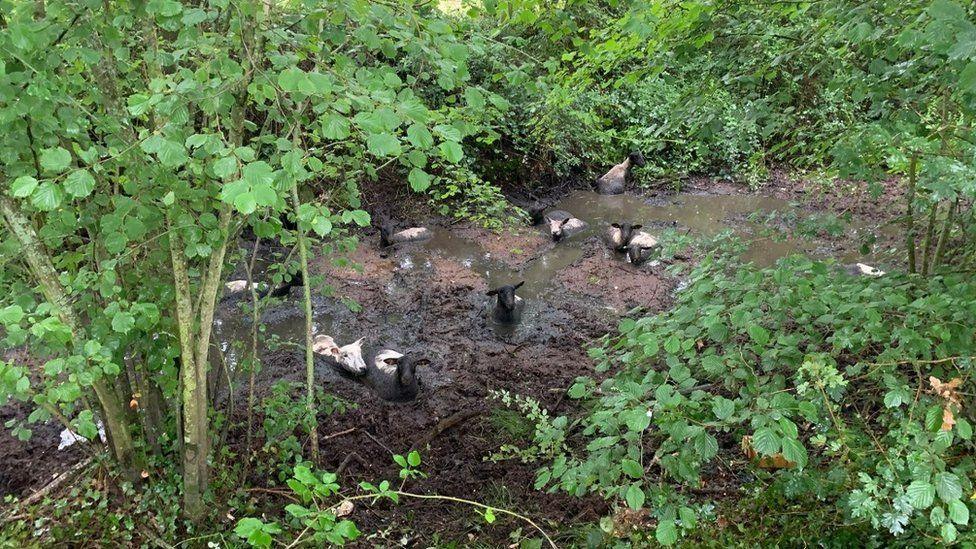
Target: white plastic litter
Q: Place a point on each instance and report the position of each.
(69, 437)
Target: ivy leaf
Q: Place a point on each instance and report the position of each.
(419, 180)
(79, 183)
(921, 494)
(23, 186)
(47, 196)
(55, 160)
(383, 144)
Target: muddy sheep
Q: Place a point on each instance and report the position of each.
(390, 236)
(615, 180)
(619, 235)
(508, 307)
(390, 374)
(234, 287)
(640, 247)
(562, 224)
(862, 269)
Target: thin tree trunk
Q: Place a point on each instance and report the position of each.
(929, 233)
(193, 448)
(255, 317)
(309, 361)
(912, 180)
(47, 277)
(944, 235)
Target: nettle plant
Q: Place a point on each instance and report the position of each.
(799, 378)
(141, 139)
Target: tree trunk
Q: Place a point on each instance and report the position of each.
(309, 361)
(910, 214)
(929, 234)
(47, 277)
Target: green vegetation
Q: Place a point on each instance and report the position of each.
(141, 139)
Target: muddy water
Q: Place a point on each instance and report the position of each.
(698, 214)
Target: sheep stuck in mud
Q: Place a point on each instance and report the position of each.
(620, 234)
(641, 247)
(563, 224)
(508, 307)
(390, 236)
(390, 374)
(615, 180)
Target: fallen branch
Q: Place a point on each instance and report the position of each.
(58, 481)
(445, 424)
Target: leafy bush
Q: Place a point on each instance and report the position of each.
(800, 378)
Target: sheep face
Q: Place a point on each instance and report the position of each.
(349, 357)
(621, 234)
(505, 297)
(637, 159)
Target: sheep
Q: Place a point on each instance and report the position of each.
(639, 247)
(390, 374)
(615, 180)
(562, 224)
(347, 360)
(862, 269)
(239, 286)
(508, 306)
(389, 235)
(393, 375)
(620, 234)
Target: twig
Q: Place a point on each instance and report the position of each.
(445, 424)
(377, 441)
(340, 433)
(58, 481)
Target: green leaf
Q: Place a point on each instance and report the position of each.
(258, 173)
(55, 160)
(921, 494)
(706, 445)
(722, 407)
(264, 194)
(765, 441)
(47, 196)
(347, 529)
(419, 136)
(474, 98)
(967, 78)
(360, 217)
(489, 516)
(958, 512)
(335, 127)
(451, 151)
(666, 533)
(631, 468)
(413, 458)
(296, 510)
(322, 225)
(23, 186)
(635, 496)
(688, 518)
(172, 154)
(383, 144)
(794, 451)
(948, 487)
(758, 334)
(11, 314)
(122, 322)
(672, 344)
(245, 203)
(419, 180)
(79, 183)
(225, 167)
(964, 429)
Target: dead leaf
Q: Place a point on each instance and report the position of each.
(134, 404)
(949, 394)
(144, 474)
(948, 419)
(345, 509)
(775, 461)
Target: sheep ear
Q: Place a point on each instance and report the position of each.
(491, 292)
(519, 285)
(615, 225)
(422, 362)
(564, 221)
(637, 227)
(392, 361)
